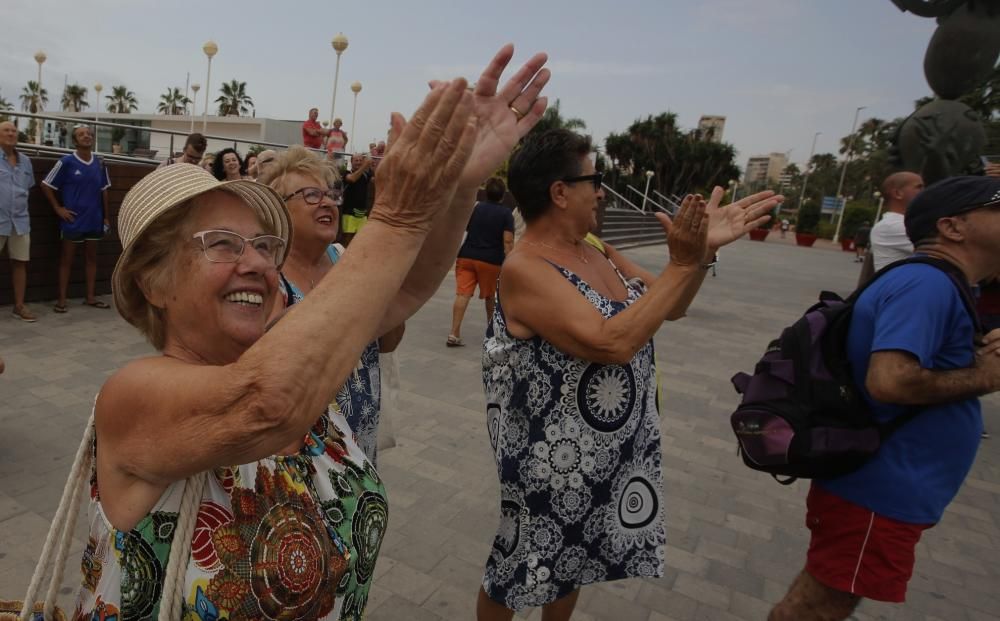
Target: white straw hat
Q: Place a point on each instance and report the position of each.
(171, 186)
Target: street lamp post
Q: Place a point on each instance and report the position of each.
(98, 87)
(194, 103)
(211, 49)
(645, 193)
(878, 212)
(39, 58)
(843, 173)
(355, 88)
(805, 177)
(339, 44)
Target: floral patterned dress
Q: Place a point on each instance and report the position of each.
(360, 398)
(269, 540)
(577, 448)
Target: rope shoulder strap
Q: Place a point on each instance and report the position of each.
(52, 561)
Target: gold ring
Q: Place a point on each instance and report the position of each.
(517, 113)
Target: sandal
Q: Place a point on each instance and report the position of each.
(60, 308)
(22, 313)
(97, 304)
(454, 341)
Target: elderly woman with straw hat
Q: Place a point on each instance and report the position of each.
(223, 486)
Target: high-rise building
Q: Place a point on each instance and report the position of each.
(710, 128)
(765, 168)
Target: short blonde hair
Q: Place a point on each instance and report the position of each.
(150, 268)
(302, 161)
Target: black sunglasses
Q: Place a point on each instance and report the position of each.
(597, 179)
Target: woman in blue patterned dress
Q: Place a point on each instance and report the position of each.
(570, 382)
(306, 181)
(232, 419)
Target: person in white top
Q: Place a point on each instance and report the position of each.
(888, 237)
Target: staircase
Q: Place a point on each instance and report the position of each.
(628, 228)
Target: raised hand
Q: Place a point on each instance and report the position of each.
(421, 169)
(729, 223)
(505, 116)
(687, 233)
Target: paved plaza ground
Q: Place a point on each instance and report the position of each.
(735, 537)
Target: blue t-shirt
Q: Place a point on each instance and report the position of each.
(484, 241)
(82, 186)
(917, 472)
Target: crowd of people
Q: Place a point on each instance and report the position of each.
(260, 413)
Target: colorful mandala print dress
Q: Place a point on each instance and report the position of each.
(269, 539)
(577, 447)
(360, 398)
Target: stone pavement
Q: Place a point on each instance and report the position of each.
(736, 538)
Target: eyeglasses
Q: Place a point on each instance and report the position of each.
(227, 247)
(314, 196)
(596, 179)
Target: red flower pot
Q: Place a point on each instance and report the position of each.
(759, 234)
(847, 244)
(805, 239)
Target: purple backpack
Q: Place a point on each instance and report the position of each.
(801, 415)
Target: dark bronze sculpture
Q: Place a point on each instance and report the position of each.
(945, 137)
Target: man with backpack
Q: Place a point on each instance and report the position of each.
(913, 353)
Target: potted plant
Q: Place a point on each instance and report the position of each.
(116, 139)
(805, 230)
(760, 232)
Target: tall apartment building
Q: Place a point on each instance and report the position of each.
(765, 168)
(710, 127)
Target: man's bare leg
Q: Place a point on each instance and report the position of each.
(810, 600)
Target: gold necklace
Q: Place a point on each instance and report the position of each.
(580, 256)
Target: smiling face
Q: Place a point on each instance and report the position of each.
(231, 164)
(213, 312)
(318, 223)
(313, 114)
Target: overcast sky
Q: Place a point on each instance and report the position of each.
(780, 70)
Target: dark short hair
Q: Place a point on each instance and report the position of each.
(495, 189)
(197, 141)
(541, 161)
(218, 170)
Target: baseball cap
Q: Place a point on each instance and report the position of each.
(946, 198)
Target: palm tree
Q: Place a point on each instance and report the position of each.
(122, 100)
(234, 99)
(4, 106)
(552, 119)
(32, 100)
(173, 102)
(74, 98)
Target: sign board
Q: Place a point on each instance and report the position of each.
(831, 205)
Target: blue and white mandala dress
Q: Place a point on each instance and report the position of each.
(577, 448)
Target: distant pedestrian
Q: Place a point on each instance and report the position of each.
(489, 238)
(194, 150)
(82, 181)
(861, 240)
(312, 132)
(16, 179)
(336, 140)
(785, 225)
(888, 237)
(356, 205)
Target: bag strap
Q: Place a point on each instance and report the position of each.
(60, 538)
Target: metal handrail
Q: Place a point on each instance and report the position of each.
(171, 132)
(670, 201)
(649, 200)
(609, 190)
(41, 149)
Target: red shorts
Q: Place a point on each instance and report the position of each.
(857, 551)
(469, 273)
